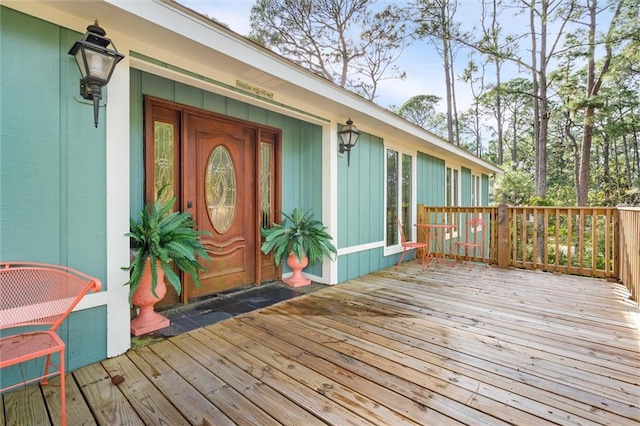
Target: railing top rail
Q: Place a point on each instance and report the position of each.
(629, 209)
(562, 208)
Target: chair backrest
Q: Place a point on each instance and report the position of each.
(475, 226)
(39, 293)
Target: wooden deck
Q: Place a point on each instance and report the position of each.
(397, 347)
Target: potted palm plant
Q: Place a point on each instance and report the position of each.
(160, 239)
(300, 237)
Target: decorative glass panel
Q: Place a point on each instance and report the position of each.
(220, 189)
(164, 147)
(266, 155)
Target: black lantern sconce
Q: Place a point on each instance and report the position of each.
(96, 63)
(349, 135)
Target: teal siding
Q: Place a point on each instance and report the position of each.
(465, 187)
(301, 141)
(53, 165)
(361, 193)
(361, 208)
(85, 343)
(357, 264)
(485, 190)
(431, 180)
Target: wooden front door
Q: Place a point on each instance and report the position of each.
(225, 172)
(219, 174)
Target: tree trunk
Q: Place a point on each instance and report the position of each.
(499, 117)
(607, 174)
(514, 149)
(447, 77)
(454, 106)
(477, 124)
(593, 87)
(536, 93)
(625, 146)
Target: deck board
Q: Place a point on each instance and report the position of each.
(449, 346)
(77, 408)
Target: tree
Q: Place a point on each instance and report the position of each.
(435, 21)
(593, 84)
(514, 187)
(516, 109)
(419, 109)
(491, 41)
(321, 36)
(470, 121)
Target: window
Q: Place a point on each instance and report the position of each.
(399, 197)
(453, 187)
(476, 197)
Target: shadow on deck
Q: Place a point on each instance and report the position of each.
(397, 347)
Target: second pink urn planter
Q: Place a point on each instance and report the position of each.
(300, 240)
(297, 265)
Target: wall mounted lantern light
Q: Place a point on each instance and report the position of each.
(96, 63)
(349, 135)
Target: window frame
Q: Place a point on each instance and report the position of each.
(411, 235)
(476, 190)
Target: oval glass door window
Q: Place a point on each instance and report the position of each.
(220, 189)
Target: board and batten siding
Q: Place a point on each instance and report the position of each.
(361, 205)
(53, 166)
(431, 180)
(465, 187)
(361, 209)
(485, 190)
(302, 183)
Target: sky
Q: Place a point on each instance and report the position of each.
(424, 70)
(425, 74)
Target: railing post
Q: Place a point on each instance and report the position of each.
(617, 238)
(503, 237)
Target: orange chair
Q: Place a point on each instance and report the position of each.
(474, 238)
(408, 245)
(38, 296)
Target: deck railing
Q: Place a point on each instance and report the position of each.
(629, 250)
(587, 241)
(458, 216)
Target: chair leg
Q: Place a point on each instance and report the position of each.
(46, 370)
(63, 391)
(404, 252)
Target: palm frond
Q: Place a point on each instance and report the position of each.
(167, 237)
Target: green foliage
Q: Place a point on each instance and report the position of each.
(419, 109)
(300, 234)
(165, 238)
(514, 187)
(541, 201)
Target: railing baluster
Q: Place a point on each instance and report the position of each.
(569, 241)
(559, 224)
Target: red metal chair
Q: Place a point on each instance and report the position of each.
(474, 238)
(38, 296)
(409, 245)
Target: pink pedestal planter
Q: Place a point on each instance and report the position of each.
(148, 320)
(297, 265)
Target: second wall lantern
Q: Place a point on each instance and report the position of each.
(96, 62)
(349, 135)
